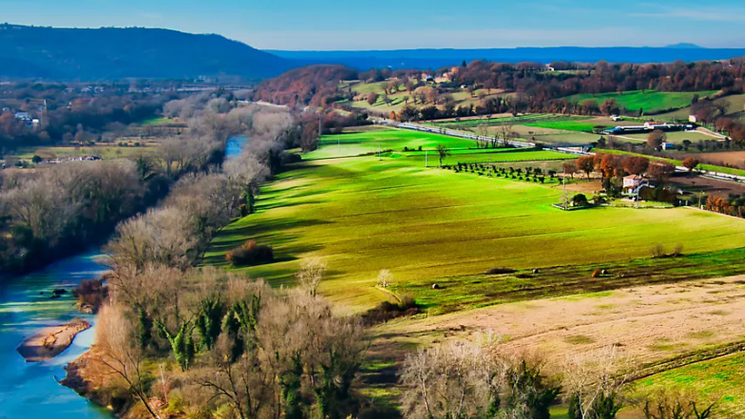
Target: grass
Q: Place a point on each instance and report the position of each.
(677, 137)
(720, 380)
(362, 215)
(355, 144)
(650, 101)
(576, 124)
(106, 151)
(156, 121)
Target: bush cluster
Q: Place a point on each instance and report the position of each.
(250, 253)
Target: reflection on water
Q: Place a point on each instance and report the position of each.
(29, 390)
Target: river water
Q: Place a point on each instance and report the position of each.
(30, 390)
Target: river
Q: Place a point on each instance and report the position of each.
(30, 390)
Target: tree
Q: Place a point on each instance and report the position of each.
(311, 274)
(570, 168)
(372, 97)
(385, 277)
(309, 136)
(594, 385)
(690, 163)
(586, 164)
(579, 200)
(636, 165)
(452, 381)
(660, 171)
(442, 152)
(115, 339)
(655, 139)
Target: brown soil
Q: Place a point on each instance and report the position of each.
(734, 158)
(51, 341)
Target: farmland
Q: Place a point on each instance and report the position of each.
(398, 209)
(650, 101)
(362, 213)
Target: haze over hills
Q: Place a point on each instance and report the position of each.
(29, 52)
(116, 53)
(437, 58)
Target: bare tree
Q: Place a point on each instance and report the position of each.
(311, 274)
(385, 278)
(594, 382)
(115, 339)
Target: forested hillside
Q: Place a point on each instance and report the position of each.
(116, 53)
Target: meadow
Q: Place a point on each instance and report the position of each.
(649, 101)
(362, 215)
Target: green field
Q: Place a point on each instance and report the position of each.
(354, 144)
(516, 120)
(736, 110)
(576, 124)
(650, 101)
(720, 380)
(362, 215)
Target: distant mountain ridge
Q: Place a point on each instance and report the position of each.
(118, 53)
(438, 58)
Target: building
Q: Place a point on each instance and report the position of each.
(631, 182)
(23, 116)
(668, 146)
(693, 119)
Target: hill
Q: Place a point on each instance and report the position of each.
(116, 53)
(306, 85)
(438, 58)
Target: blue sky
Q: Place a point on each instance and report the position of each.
(388, 24)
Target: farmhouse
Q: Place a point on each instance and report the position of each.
(632, 181)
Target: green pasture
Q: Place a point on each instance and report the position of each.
(357, 143)
(650, 101)
(721, 380)
(361, 215)
(576, 124)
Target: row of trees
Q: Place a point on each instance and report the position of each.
(482, 380)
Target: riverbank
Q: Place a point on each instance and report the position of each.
(51, 341)
(30, 389)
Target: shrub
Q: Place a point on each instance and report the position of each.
(386, 311)
(250, 253)
(657, 251)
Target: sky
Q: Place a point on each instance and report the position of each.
(400, 24)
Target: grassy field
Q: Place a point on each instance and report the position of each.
(677, 137)
(736, 110)
(354, 144)
(106, 151)
(720, 380)
(650, 101)
(362, 215)
(576, 124)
